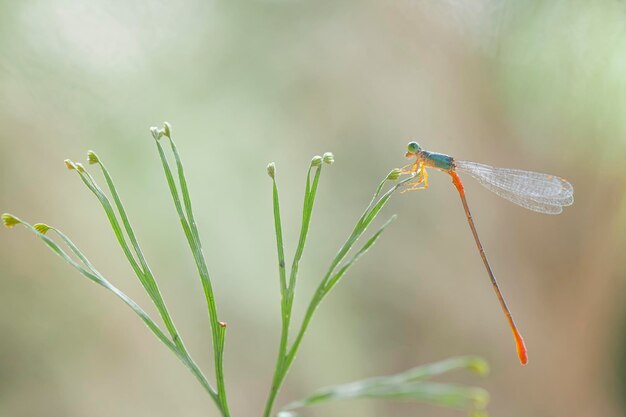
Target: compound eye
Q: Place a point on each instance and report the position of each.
(414, 147)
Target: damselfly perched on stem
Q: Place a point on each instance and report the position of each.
(542, 193)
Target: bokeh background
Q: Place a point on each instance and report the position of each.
(538, 85)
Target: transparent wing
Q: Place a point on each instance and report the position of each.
(532, 190)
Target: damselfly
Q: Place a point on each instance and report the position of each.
(532, 190)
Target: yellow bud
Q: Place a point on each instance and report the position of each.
(478, 365)
(394, 174)
(69, 164)
(10, 220)
(92, 158)
(41, 228)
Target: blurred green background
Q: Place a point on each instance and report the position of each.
(536, 85)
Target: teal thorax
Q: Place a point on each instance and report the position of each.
(439, 160)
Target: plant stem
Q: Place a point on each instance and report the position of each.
(288, 290)
(283, 291)
(148, 277)
(187, 221)
(367, 217)
(89, 271)
(287, 355)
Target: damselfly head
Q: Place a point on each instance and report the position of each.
(413, 149)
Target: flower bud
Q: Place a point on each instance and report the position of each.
(41, 228)
(394, 174)
(80, 167)
(271, 170)
(156, 132)
(478, 365)
(167, 129)
(92, 158)
(316, 161)
(10, 220)
(69, 164)
(328, 158)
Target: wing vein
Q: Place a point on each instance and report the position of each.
(535, 191)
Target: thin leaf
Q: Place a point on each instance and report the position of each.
(361, 226)
(307, 211)
(279, 241)
(185, 193)
(370, 242)
(446, 395)
(405, 386)
(148, 276)
(470, 363)
(189, 227)
(115, 225)
(92, 274)
(288, 289)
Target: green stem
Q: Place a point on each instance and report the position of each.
(89, 271)
(283, 291)
(155, 293)
(186, 217)
(322, 290)
(287, 357)
(288, 290)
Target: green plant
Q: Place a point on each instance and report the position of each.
(410, 385)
